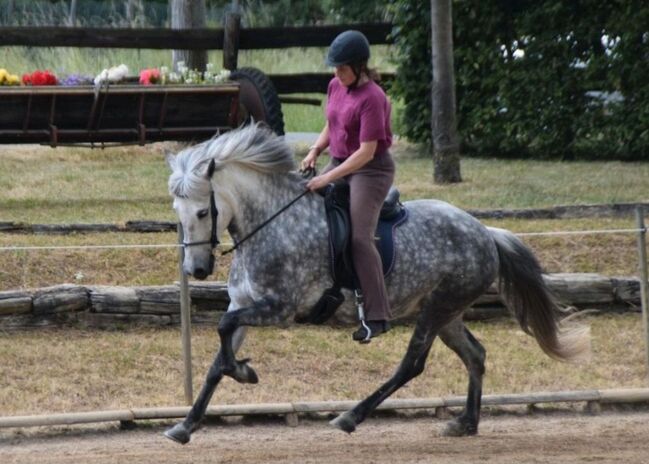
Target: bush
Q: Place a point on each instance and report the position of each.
(534, 78)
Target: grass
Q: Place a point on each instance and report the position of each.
(44, 185)
(74, 370)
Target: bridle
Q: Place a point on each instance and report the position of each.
(214, 239)
(214, 212)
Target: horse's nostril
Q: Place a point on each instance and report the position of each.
(200, 273)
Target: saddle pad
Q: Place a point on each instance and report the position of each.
(384, 239)
(341, 262)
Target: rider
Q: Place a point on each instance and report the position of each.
(358, 135)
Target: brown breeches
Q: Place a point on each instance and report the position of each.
(368, 188)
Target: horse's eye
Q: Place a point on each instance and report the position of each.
(202, 213)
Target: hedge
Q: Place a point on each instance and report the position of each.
(535, 79)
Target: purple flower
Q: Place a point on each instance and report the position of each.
(76, 79)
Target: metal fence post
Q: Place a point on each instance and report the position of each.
(185, 320)
(642, 252)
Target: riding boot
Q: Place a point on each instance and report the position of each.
(369, 330)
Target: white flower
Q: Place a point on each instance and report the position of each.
(114, 74)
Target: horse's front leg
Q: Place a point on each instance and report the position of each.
(231, 328)
(182, 431)
(263, 313)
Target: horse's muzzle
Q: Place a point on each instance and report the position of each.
(200, 273)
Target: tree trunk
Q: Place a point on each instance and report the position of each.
(188, 14)
(134, 13)
(446, 148)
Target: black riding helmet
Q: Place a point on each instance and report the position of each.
(349, 47)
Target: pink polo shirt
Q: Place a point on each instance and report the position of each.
(361, 115)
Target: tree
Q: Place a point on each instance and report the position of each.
(188, 14)
(445, 146)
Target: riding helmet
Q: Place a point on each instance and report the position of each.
(349, 47)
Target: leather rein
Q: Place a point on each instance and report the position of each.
(214, 212)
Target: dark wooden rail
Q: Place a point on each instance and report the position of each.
(185, 39)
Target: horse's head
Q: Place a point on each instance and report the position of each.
(198, 217)
(212, 180)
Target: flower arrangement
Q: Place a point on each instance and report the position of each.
(39, 77)
(6, 78)
(111, 75)
(193, 76)
(76, 79)
(116, 74)
(150, 76)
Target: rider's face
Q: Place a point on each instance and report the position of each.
(345, 74)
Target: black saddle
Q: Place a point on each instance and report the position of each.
(342, 271)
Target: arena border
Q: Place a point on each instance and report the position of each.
(291, 410)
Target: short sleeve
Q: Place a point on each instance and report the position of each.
(372, 119)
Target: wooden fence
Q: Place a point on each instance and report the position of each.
(106, 307)
(228, 39)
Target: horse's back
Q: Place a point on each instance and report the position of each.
(441, 247)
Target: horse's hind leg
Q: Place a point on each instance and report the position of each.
(182, 431)
(411, 366)
(458, 338)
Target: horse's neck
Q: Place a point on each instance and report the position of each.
(256, 196)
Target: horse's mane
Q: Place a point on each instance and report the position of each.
(254, 146)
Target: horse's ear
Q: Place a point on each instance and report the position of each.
(211, 168)
(171, 159)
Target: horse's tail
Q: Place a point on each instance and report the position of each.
(528, 296)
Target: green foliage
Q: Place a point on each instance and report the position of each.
(535, 78)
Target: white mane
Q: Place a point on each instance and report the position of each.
(254, 146)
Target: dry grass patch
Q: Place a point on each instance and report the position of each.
(76, 370)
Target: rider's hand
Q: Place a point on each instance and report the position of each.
(310, 159)
(318, 182)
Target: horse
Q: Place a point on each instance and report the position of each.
(445, 260)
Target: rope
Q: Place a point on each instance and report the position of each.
(97, 247)
(581, 232)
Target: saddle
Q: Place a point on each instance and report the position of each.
(392, 215)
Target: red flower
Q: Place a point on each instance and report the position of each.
(149, 76)
(39, 77)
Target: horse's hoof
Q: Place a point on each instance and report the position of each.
(179, 434)
(242, 372)
(458, 428)
(344, 422)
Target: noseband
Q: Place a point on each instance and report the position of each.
(214, 239)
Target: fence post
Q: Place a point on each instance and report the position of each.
(231, 40)
(642, 252)
(185, 320)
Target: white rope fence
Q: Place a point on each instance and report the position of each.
(178, 245)
(94, 247)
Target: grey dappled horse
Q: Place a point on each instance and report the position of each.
(445, 260)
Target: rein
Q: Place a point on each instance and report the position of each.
(214, 212)
(214, 240)
(264, 224)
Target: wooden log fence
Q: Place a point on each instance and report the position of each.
(254, 38)
(105, 307)
(292, 410)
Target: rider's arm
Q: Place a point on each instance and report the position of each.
(322, 141)
(357, 160)
(320, 144)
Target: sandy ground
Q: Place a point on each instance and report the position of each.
(611, 437)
